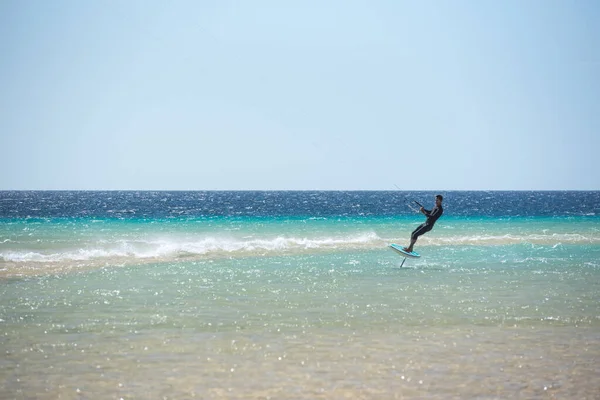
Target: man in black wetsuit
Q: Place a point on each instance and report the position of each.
(432, 216)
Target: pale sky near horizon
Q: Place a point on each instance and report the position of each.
(279, 95)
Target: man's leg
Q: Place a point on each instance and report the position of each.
(421, 229)
(409, 249)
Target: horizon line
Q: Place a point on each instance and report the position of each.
(299, 190)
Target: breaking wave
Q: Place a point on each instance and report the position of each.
(160, 249)
(215, 246)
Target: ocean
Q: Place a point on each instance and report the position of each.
(296, 295)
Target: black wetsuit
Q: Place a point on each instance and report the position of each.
(432, 216)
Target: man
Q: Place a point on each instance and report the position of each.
(432, 216)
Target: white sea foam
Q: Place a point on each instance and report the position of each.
(507, 239)
(174, 247)
(165, 248)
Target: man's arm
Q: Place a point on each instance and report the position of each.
(434, 212)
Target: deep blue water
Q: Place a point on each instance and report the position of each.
(158, 204)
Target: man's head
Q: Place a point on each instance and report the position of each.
(438, 200)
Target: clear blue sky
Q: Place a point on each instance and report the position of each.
(148, 94)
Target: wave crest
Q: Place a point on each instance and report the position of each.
(160, 249)
(174, 248)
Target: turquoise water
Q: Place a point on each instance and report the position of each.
(299, 307)
(37, 245)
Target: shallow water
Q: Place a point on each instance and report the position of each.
(304, 326)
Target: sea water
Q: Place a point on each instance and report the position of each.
(296, 295)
